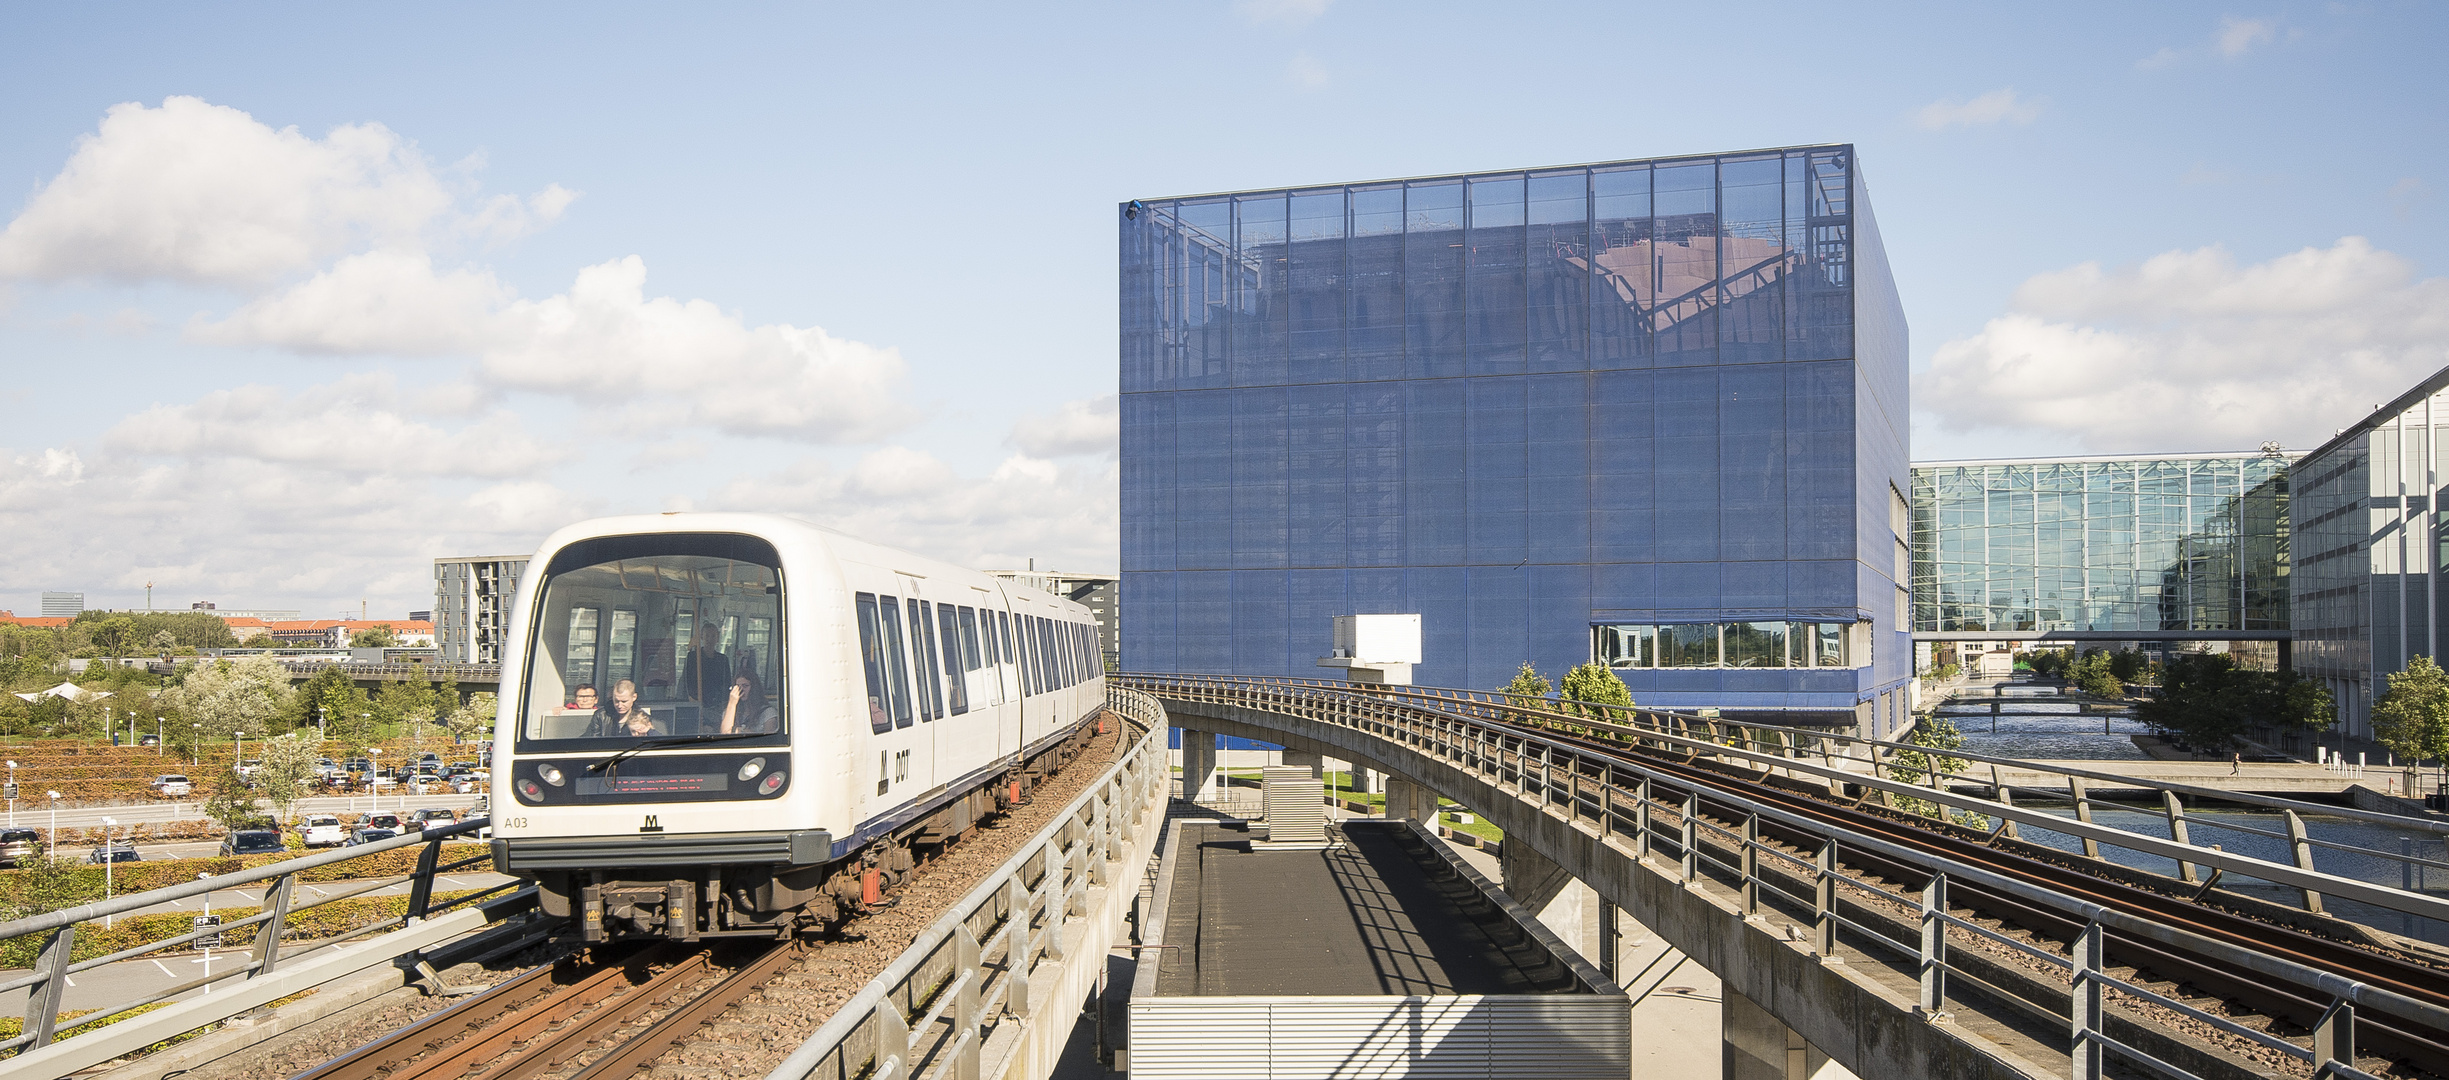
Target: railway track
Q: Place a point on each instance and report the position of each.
(2293, 1009)
(606, 1014)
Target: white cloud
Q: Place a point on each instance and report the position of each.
(1086, 426)
(1025, 508)
(2236, 36)
(604, 342)
(386, 301)
(2232, 39)
(2192, 350)
(196, 192)
(1306, 72)
(355, 427)
(242, 530)
(1287, 12)
(1997, 106)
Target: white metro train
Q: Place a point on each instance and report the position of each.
(717, 724)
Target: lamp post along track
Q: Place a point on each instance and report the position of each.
(1664, 783)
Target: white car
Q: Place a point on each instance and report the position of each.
(323, 830)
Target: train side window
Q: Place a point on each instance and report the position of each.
(970, 660)
(1003, 623)
(583, 623)
(956, 685)
(1054, 662)
(922, 643)
(871, 658)
(1045, 657)
(896, 663)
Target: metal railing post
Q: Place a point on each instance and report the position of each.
(892, 1050)
(268, 936)
(2006, 797)
(2085, 1017)
(421, 887)
(2083, 813)
(2177, 832)
(2334, 1037)
(1934, 945)
(43, 998)
(1824, 900)
(1751, 865)
(965, 1009)
(1641, 820)
(2304, 858)
(1692, 836)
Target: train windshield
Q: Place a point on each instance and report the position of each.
(657, 637)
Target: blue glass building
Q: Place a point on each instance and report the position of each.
(1646, 411)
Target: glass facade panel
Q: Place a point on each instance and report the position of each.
(2140, 544)
(1523, 405)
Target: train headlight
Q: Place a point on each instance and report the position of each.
(750, 770)
(773, 782)
(551, 774)
(530, 790)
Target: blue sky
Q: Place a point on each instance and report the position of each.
(517, 267)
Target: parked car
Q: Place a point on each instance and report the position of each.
(252, 842)
(172, 786)
(388, 821)
(117, 851)
(367, 836)
(323, 830)
(250, 767)
(433, 817)
(150, 740)
(20, 846)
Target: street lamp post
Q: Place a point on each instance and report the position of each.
(374, 783)
(207, 943)
(109, 859)
(195, 764)
(12, 794)
(159, 736)
(54, 845)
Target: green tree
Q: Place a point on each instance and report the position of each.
(473, 721)
(249, 695)
(2203, 699)
(1933, 737)
(375, 637)
(330, 695)
(233, 805)
(2412, 716)
(1529, 690)
(288, 772)
(1594, 691)
(2094, 675)
(410, 701)
(2129, 665)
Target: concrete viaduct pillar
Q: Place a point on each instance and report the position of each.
(1315, 762)
(1760, 1047)
(1198, 763)
(1571, 909)
(1408, 801)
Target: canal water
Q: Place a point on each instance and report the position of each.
(2228, 829)
(2026, 728)
(2030, 725)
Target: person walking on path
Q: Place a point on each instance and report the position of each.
(2236, 763)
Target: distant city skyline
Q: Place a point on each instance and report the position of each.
(429, 291)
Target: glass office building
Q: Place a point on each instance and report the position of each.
(2370, 545)
(2176, 543)
(1561, 413)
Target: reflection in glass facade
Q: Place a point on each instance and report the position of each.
(1524, 405)
(2369, 550)
(2190, 542)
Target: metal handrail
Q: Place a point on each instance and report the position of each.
(43, 985)
(992, 935)
(1430, 732)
